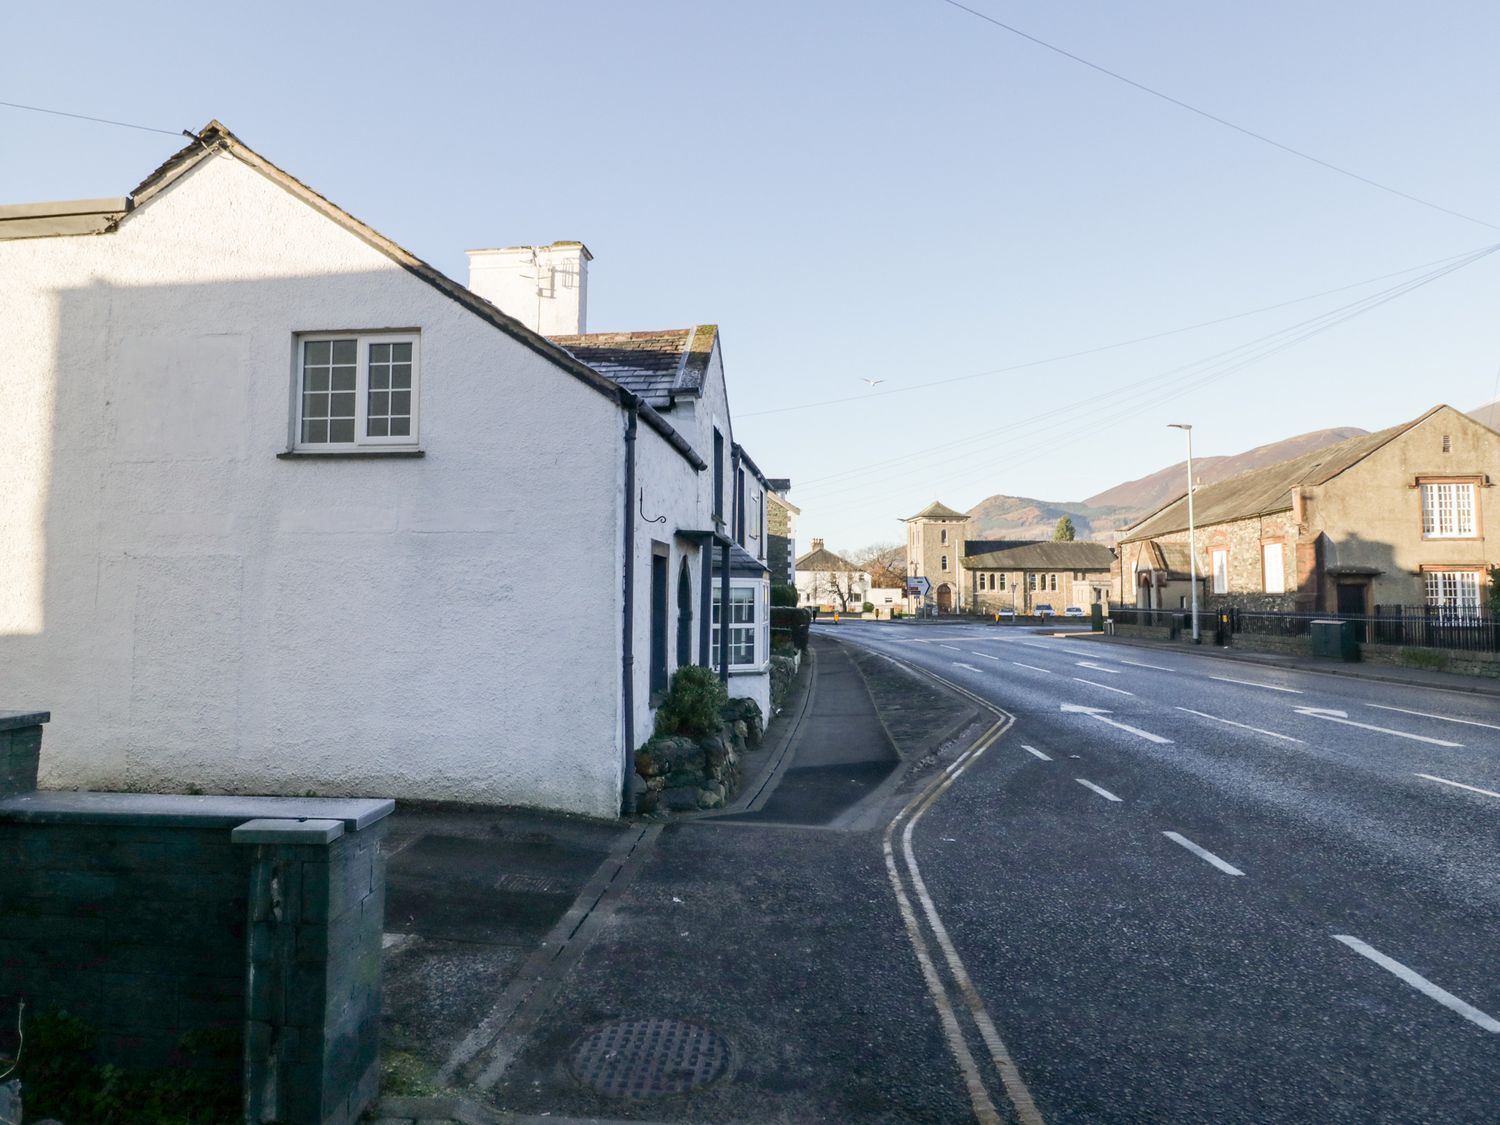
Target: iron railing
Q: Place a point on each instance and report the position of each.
(1406, 626)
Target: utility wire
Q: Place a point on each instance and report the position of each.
(908, 387)
(1152, 402)
(1216, 119)
(99, 120)
(1152, 389)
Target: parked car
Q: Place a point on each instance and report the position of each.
(1005, 613)
(1045, 610)
(1074, 611)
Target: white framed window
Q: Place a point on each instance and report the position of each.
(1448, 510)
(746, 615)
(1221, 570)
(356, 391)
(1453, 592)
(1275, 569)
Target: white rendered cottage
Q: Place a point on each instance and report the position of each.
(282, 508)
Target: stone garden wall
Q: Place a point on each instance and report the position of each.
(682, 774)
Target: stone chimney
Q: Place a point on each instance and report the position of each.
(817, 545)
(544, 287)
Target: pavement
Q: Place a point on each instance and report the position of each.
(515, 935)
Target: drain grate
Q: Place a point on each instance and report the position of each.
(650, 1057)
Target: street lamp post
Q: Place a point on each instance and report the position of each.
(1192, 529)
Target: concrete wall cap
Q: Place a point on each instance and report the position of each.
(12, 720)
(169, 810)
(302, 831)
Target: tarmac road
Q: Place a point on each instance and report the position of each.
(1188, 889)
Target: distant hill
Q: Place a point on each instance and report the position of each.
(1488, 414)
(1105, 514)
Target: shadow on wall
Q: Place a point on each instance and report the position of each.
(194, 609)
(1357, 574)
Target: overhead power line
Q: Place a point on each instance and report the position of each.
(907, 388)
(97, 120)
(1150, 392)
(1216, 119)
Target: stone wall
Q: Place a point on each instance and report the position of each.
(678, 773)
(1438, 659)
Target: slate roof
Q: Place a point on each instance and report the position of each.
(1262, 491)
(654, 365)
(741, 561)
(986, 546)
(1076, 555)
(824, 559)
(937, 511)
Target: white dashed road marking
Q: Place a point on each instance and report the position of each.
(1032, 750)
(1252, 683)
(986, 655)
(1105, 793)
(1242, 726)
(1429, 715)
(1202, 853)
(1460, 785)
(1343, 717)
(1106, 687)
(1033, 667)
(1421, 983)
(1154, 667)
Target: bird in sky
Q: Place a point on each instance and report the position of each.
(874, 382)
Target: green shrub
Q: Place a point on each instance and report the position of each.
(692, 704)
(1419, 658)
(62, 1077)
(869, 607)
(784, 595)
(793, 623)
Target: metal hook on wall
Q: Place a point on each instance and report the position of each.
(642, 505)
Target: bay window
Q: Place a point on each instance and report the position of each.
(748, 624)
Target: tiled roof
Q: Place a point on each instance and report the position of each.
(1262, 491)
(937, 511)
(1075, 555)
(986, 546)
(824, 559)
(654, 365)
(741, 561)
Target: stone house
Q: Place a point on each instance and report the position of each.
(935, 547)
(288, 509)
(1394, 518)
(1025, 575)
(781, 532)
(825, 578)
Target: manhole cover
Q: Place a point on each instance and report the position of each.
(647, 1058)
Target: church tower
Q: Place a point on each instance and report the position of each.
(934, 550)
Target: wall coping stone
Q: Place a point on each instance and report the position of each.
(302, 831)
(14, 720)
(171, 810)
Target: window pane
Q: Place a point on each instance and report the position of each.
(344, 351)
(400, 402)
(380, 378)
(342, 405)
(315, 351)
(314, 432)
(401, 375)
(380, 403)
(380, 353)
(401, 353)
(343, 378)
(341, 429)
(379, 427)
(314, 406)
(400, 427)
(316, 379)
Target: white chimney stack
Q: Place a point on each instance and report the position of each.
(546, 288)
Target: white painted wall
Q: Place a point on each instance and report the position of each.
(195, 611)
(546, 288)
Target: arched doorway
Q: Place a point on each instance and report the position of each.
(684, 615)
(944, 599)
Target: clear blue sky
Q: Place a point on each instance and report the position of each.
(889, 190)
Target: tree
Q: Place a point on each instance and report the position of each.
(1064, 532)
(885, 563)
(1494, 593)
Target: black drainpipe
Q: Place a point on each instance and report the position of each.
(724, 614)
(627, 659)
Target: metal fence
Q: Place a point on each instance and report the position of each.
(1388, 625)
